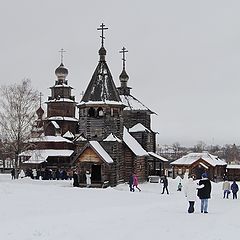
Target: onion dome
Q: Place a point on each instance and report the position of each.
(40, 112)
(123, 76)
(61, 72)
(102, 52)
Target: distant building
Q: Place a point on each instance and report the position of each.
(198, 163)
(233, 172)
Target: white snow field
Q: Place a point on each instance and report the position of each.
(54, 210)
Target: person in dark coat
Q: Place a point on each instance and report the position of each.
(204, 192)
(234, 188)
(13, 173)
(75, 179)
(164, 181)
(130, 182)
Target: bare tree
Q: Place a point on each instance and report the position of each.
(18, 104)
(200, 147)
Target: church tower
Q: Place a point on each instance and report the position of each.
(137, 117)
(38, 123)
(100, 110)
(61, 106)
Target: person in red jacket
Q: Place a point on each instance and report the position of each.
(135, 182)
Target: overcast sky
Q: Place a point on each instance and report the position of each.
(183, 60)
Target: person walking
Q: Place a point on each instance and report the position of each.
(226, 188)
(130, 183)
(13, 173)
(204, 192)
(75, 179)
(234, 188)
(135, 182)
(164, 181)
(88, 178)
(191, 193)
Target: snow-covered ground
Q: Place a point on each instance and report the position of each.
(54, 210)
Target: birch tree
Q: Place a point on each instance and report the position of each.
(18, 104)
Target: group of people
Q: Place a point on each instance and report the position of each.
(227, 188)
(79, 178)
(203, 189)
(43, 174)
(133, 183)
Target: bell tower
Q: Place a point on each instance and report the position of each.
(61, 105)
(100, 110)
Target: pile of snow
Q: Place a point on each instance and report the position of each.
(50, 210)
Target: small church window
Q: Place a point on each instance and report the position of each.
(100, 112)
(91, 112)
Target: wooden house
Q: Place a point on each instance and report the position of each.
(233, 172)
(198, 163)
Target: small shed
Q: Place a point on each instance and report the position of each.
(233, 172)
(198, 163)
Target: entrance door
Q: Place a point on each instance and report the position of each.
(198, 171)
(96, 173)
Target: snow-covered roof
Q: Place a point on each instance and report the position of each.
(55, 124)
(106, 102)
(49, 139)
(60, 100)
(139, 128)
(41, 155)
(68, 134)
(61, 85)
(99, 149)
(80, 138)
(101, 88)
(133, 104)
(60, 118)
(233, 166)
(157, 156)
(133, 144)
(111, 138)
(193, 157)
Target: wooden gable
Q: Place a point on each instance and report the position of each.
(202, 163)
(89, 155)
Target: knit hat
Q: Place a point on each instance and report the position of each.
(204, 175)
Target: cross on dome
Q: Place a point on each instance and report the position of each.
(62, 51)
(102, 28)
(123, 51)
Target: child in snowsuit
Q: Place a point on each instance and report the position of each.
(179, 188)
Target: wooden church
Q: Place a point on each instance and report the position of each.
(111, 137)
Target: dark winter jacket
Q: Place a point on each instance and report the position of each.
(165, 182)
(205, 191)
(75, 180)
(234, 187)
(131, 180)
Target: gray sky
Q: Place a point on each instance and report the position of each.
(183, 60)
